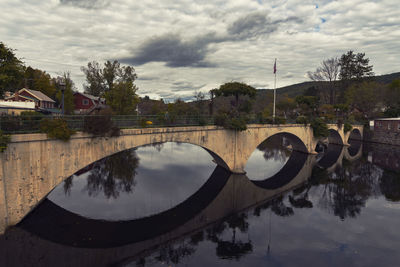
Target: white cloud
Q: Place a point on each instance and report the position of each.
(228, 40)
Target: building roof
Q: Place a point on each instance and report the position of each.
(39, 95)
(92, 97)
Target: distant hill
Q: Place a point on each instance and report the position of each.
(298, 88)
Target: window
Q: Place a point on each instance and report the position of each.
(389, 126)
(85, 102)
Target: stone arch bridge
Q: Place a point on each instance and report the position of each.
(33, 164)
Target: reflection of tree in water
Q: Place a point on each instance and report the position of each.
(232, 249)
(277, 206)
(113, 174)
(174, 253)
(158, 146)
(390, 185)
(275, 148)
(349, 187)
(68, 185)
(344, 192)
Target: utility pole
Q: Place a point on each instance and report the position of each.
(62, 87)
(273, 113)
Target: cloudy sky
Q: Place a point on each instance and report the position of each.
(179, 47)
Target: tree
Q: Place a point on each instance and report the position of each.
(69, 105)
(213, 94)
(354, 66)
(286, 105)
(364, 97)
(328, 71)
(392, 99)
(307, 104)
(199, 98)
(122, 98)
(94, 78)
(11, 70)
(115, 82)
(236, 89)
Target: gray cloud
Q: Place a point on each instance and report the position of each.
(252, 25)
(89, 4)
(185, 86)
(175, 52)
(171, 50)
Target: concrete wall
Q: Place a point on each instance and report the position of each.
(33, 165)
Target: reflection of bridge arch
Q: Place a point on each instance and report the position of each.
(335, 137)
(354, 151)
(288, 172)
(332, 157)
(54, 223)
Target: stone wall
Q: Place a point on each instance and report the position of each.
(384, 137)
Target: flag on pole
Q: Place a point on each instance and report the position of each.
(275, 66)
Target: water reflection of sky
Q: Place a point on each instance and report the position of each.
(306, 236)
(164, 178)
(269, 157)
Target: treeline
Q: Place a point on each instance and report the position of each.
(346, 90)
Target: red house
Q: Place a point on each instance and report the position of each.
(85, 103)
(41, 100)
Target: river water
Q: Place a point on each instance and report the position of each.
(170, 205)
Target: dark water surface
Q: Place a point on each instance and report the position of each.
(171, 205)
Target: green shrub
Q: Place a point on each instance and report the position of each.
(221, 119)
(237, 124)
(202, 121)
(347, 127)
(280, 120)
(339, 123)
(320, 129)
(56, 128)
(230, 122)
(100, 125)
(143, 122)
(302, 120)
(268, 120)
(4, 140)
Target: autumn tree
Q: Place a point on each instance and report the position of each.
(39, 80)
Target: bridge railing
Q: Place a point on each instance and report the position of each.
(31, 124)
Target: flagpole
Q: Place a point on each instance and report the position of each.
(273, 113)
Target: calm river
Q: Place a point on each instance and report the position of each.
(169, 204)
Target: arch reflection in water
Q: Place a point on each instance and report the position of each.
(330, 156)
(136, 183)
(54, 223)
(274, 163)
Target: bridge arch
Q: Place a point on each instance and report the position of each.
(33, 164)
(334, 137)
